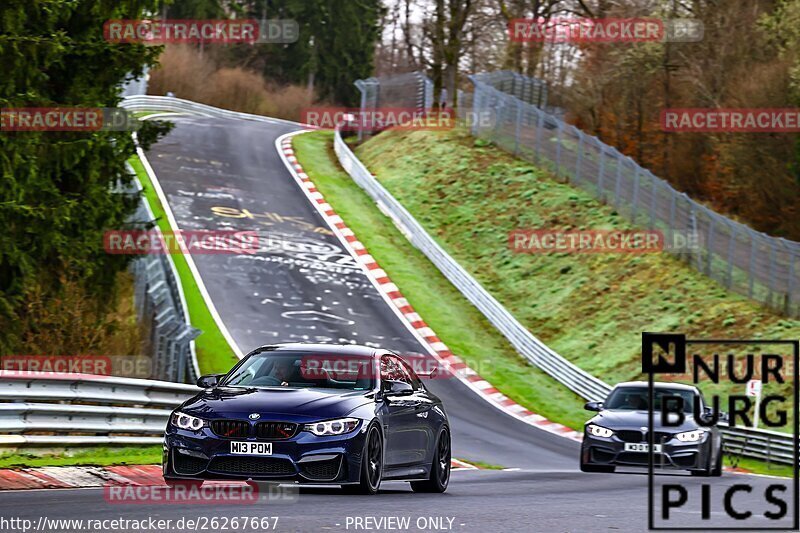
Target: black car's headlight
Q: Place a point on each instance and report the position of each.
(691, 436)
(599, 431)
(340, 426)
(184, 421)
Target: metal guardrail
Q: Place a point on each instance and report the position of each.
(760, 444)
(74, 409)
(177, 105)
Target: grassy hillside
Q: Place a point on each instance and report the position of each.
(591, 308)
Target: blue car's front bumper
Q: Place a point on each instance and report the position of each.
(305, 457)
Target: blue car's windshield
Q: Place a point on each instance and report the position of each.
(637, 398)
(304, 370)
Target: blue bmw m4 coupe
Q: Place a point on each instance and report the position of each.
(312, 413)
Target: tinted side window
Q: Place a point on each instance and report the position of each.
(410, 376)
(391, 370)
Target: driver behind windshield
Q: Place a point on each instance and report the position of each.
(282, 370)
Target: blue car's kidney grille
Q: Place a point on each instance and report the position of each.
(275, 430)
(231, 428)
(252, 465)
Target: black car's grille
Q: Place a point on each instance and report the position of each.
(322, 470)
(230, 428)
(252, 465)
(188, 465)
(601, 456)
(633, 435)
(275, 430)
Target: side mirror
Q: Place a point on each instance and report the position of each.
(593, 406)
(397, 388)
(209, 381)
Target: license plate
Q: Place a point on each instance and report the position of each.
(251, 448)
(641, 447)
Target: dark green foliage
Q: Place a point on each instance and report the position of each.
(57, 191)
(336, 44)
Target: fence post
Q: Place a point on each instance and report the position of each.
(653, 197)
(558, 146)
(518, 125)
(693, 225)
(790, 287)
(635, 193)
(731, 244)
(363, 90)
(751, 265)
(618, 184)
(499, 110)
(477, 107)
(710, 245)
(539, 132)
(672, 207)
(772, 259)
(580, 156)
(602, 169)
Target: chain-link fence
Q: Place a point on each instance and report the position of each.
(530, 90)
(412, 90)
(761, 267)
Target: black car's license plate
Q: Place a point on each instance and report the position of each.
(641, 447)
(251, 448)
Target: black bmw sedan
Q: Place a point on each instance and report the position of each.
(618, 434)
(312, 413)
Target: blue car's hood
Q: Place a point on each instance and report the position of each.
(288, 404)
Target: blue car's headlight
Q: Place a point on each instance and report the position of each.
(184, 421)
(340, 426)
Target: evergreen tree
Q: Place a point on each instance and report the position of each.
(59, 191)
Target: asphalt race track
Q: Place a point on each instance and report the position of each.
(226, 174)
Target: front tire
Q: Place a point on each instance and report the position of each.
(371, 465)
(717, 470)
(714, 470)
(440, 469)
